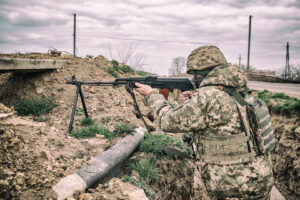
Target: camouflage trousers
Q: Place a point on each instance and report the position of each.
(252, 180)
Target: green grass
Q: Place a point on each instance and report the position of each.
(142, 73)
(60, 89)
(35, 106)
(283, 103)
(91, 131)
(294, 128)
(124, 128)
(87, 121)
(79, 111)
(146, 169)
(141, 184)
(89, 56)
(105, 120)
(154, 143)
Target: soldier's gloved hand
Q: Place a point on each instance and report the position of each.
(143, 89)
(183, 96)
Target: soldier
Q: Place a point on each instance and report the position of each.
(229, 164)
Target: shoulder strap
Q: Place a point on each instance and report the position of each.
(237, 95)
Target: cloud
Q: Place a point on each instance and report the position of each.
(164, 28)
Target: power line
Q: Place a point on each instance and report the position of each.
(151, 40)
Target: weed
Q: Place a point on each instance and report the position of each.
(280, 96)
(127, 69)
(141, 184)
(79, 111)
(114, 63)
(188, 138)
(142, 73)
(124, 128)
(146, 169)
(113, 72)
(87, 121)
(91, 131)
(60, 89)
(34, 106)
(79, 155)
(89, 56)
(105, 120)
(293, 128)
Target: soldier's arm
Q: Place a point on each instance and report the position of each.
(190, 116)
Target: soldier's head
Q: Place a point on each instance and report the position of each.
(204, 59)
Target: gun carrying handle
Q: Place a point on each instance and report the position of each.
(165, 92)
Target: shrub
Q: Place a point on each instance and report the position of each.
(87, 121)
(34, 106)
(124, 128)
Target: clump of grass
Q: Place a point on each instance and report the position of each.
(79, 111)
(91, 131)
(34, 106)
(142, 73)
(284, 104)
(294, 128)
(105, 120)
(116, 69)
(113, 72)
(88, 121)
(287, 107)
(89, 56)
(141, 184)
(124, 128)
(155, 143)
(146, 169)
(60, 89)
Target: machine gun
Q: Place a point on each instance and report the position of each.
(164, 84)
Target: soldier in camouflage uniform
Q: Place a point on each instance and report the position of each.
(233, 172)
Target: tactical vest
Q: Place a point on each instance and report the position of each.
(258, 137)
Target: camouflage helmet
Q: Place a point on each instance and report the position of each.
(204, 58)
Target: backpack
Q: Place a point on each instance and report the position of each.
(256, 120)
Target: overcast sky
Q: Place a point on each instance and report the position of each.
(163, 29)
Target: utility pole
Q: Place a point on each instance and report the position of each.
(249, 40)
(287, 64)
(74, 36)
(240, 58)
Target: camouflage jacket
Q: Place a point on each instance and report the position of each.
(212, 111)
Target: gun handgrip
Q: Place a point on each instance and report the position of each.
(165, 92)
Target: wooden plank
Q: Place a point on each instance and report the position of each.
(22, 64)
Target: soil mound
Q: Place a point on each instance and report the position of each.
(37, 151)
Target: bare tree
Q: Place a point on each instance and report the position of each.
(178, 66)
(129, 54)
(294, 73)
